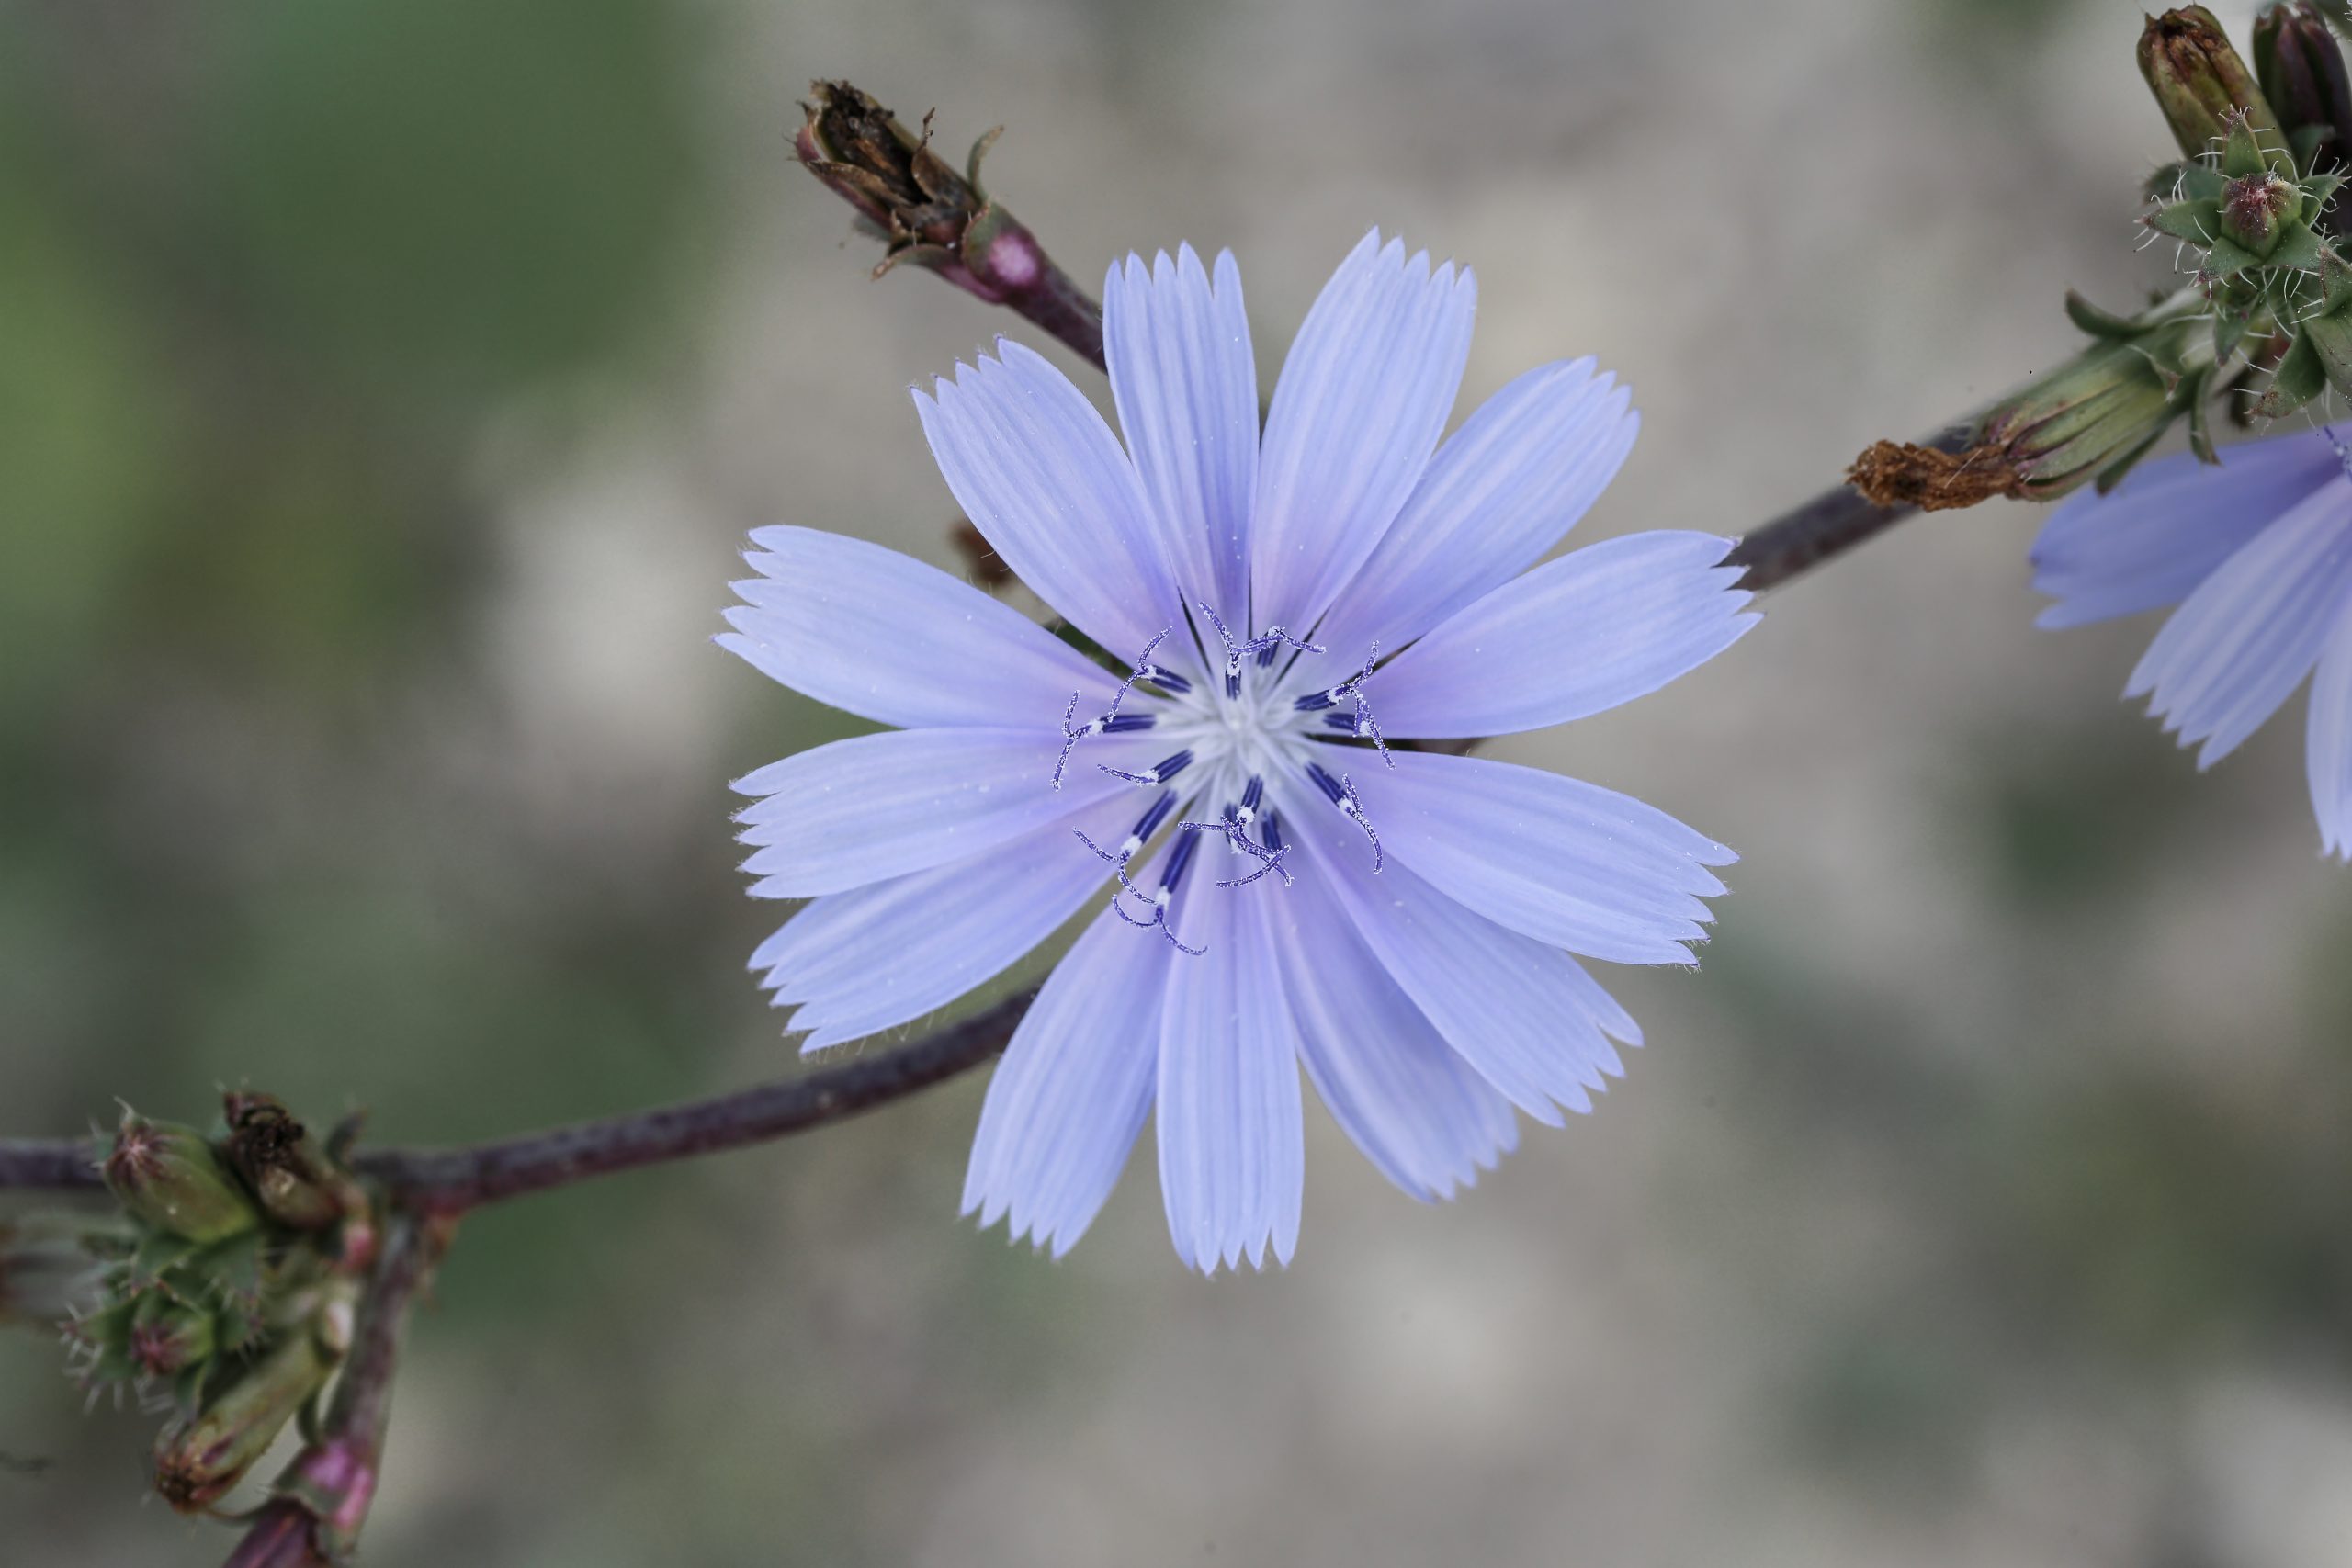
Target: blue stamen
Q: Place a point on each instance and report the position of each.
(1341, 793)
(1109, 721)
(1156, 815)
(1179, 857)
(1128, 723)
(1264, 647)
(1145, 826)
(1365, 726)
(1271, 863)
(1179, 860)
(1159, 772)
(1234, 826)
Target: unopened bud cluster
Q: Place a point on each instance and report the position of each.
(2250, 208)
(229, 1300)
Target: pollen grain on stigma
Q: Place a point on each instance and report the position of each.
(1251, 735)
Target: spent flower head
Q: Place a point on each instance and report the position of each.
(1279, 881)
(930, 213)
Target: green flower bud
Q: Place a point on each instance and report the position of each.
(2201, 85)
(169, 1336)
(2301, 68)
(168, 1177)
(289, 1169)
(2095, 415)
(2320, 357)
(2256, 209)
(196, 1461)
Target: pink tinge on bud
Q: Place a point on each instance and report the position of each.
(2255, 209)
(280, 1537)
(160, 1349)
(340, 1471)
(170, 1178)
(1013, 259)
(137, 1155)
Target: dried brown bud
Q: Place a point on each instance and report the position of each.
(930, 213)
(982, 563)
(890, 174)
(287, 1169)
(1903, 473)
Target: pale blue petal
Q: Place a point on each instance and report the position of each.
(875, 957)
(2169, 525)
(1231, 1128)
(858, 812)
(1405, 1097)
(1363, 396)
(1596, 628)
(1186, 385)
(2329, 740)
(881, 635)
(1499, 494)
(1040, 474)
(1568, 862)
(1073, 1089)
(2241, 644)
(1525, 1015)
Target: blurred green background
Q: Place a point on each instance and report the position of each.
(385, 386)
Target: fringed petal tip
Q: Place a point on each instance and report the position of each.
(1051, 1245)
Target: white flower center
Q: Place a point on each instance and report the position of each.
(1245, 724)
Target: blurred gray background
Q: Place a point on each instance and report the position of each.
(385, 388)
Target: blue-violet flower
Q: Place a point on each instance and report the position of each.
(1288, 883)
(2257, 553)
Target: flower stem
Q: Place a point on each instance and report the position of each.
(50, 1165)
(449, 1182)
(453, 1180)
